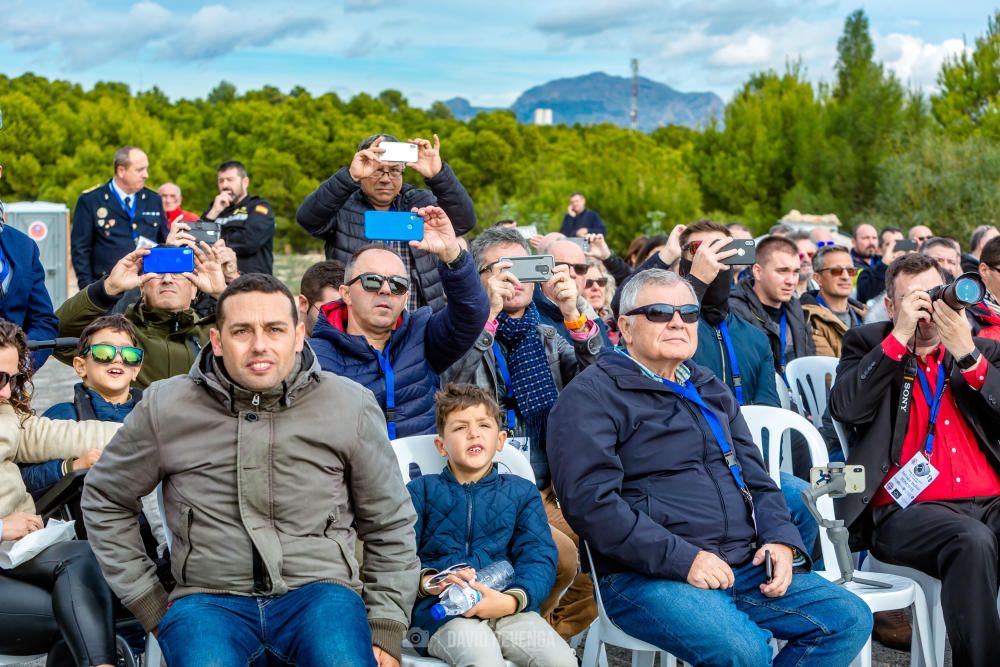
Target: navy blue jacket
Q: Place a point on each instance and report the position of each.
(86, 404)
(753, 354)
(641, 478)
(500, 517)
(26, 302)
(102, 233)
(587, 218)
(422, 347)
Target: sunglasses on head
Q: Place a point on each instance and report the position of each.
(838, 271)
(600, 282)
(577, 269)
(103, 353)
(664, 312)
(820, 244)
(372, 282)
(8, 379)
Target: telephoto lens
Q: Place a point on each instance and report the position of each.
(966, 290)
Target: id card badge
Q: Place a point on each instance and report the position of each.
(911, 480)
(521, 444)
(143, 242)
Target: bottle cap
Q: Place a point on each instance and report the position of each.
(438, 612)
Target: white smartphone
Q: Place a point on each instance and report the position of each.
(854, 476)
(396, 151)
(527, 231)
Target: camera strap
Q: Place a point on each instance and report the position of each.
(734, 364)
(903, 411)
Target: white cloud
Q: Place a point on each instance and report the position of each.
(215, 30)
(754, 51)
(915, 61)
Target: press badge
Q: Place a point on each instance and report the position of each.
(911, 480)
(521, 444)
(143, 242)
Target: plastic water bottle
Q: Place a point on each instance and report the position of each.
(457, 600)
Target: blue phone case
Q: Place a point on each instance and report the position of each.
(168, 260)
(393, 226)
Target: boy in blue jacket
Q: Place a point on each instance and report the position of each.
(472, 514)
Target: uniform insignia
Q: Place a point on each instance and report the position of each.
(92, 189)
(106, 197)
(102, 212)
(111, 222)
(260, 208)
(101, 223)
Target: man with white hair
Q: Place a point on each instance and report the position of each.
(170, 193)
(679, 534)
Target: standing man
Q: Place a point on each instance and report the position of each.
(113, 219)
(864, 254)
(580, 220)
(247, 220)
(265, 521)
(871, 284)
(170, 193)
(830, 310)
(335, 212)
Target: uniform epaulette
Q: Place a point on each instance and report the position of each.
(92, 189)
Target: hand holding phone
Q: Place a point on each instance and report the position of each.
(768, 567)
(398, 151)
(393, 226)
(531, 269)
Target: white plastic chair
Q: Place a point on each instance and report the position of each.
(784, 397)
(767, 425)
(420, 449)
(808, 379)
(603, 632)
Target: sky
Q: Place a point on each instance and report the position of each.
(487, 52)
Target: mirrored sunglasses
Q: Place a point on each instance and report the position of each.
(103, 353)
(372, 282)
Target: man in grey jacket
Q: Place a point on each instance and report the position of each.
(271, 469)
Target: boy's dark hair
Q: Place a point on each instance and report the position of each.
(703, 225)
(910, 264)
(773, 244)
(328, 273)
(254, 282)
(233, 164)
(455, 397)
(116, 322)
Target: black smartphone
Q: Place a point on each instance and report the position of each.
(905, 245)
(746, 252)
(768, 567)
(206, 231)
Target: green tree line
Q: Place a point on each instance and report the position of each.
(861, 146)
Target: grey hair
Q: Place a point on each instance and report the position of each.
(977, 236)
(179, 193)
(630, 290)
(123, 157)
(940, 242)
(821, 254)
(492, 236)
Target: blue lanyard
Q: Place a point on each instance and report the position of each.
(734, 365)
(130, 211)
(850, 311)
(934, 403)
(505, 374)
(783, 338)
(390, 393)
(5, 269)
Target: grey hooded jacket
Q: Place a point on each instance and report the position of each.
(263, 493)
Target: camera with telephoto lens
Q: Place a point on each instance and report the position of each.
(966, 290)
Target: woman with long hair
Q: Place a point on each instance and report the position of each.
(60, 593)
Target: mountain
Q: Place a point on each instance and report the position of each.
(602, 98)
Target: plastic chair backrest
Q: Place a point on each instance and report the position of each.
(420, 451)
(784, 398)
(807, 377)
(767, 426)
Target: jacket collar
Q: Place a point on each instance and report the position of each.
(165, 319)
(490, 477)
(628, 374)
(210, 372)
(332, 327)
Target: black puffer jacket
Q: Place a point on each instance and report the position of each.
(746, 304)
(335, 212)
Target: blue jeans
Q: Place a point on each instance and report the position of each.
(319, 624)
(792, 488)
(823, 624)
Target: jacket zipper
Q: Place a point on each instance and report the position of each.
(718, 489)
(255, 401)
(468, 521)
(722, 352)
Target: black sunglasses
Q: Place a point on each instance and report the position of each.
(372, 282)
(600, 282)
(8, 379)
(664, 312)
(577, 269)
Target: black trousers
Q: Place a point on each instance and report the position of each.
(956, 542)
(60, 593)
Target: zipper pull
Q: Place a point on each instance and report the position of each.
(255, 401)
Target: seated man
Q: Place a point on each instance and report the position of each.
(655, 468)
(166, 325)
(830, 310)
(371, 338)
(319, 286)
(920, 391)
(568, 254)
(524, 364)
(507, 523)
(265, 519)
(871, 283)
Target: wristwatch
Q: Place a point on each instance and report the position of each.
(457, 262)
(969, 361)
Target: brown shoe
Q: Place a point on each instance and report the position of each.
(893, 630)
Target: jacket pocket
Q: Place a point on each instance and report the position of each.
(348, 557)
(187, 519)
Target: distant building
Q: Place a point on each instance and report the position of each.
(542, 117)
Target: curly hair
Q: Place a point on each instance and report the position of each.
(22, 388)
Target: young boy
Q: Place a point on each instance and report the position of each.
(472, 514)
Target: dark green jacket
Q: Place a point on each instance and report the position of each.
(171, 341)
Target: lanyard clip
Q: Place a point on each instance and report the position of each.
(390, 414)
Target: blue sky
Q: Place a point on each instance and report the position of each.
(488, 52)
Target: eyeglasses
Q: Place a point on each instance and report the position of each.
(664, 312)
(8, 379)
(393, 173)
(103, 353)
(837, 271)
(600, 282)
(921, 239)
(372, 282)
(803, 255)
(577, 269)
(821, 244)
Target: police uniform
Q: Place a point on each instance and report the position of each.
(104, 231)
(248, 228)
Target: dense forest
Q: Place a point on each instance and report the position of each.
(861, 146)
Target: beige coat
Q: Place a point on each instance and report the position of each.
(38, 440)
